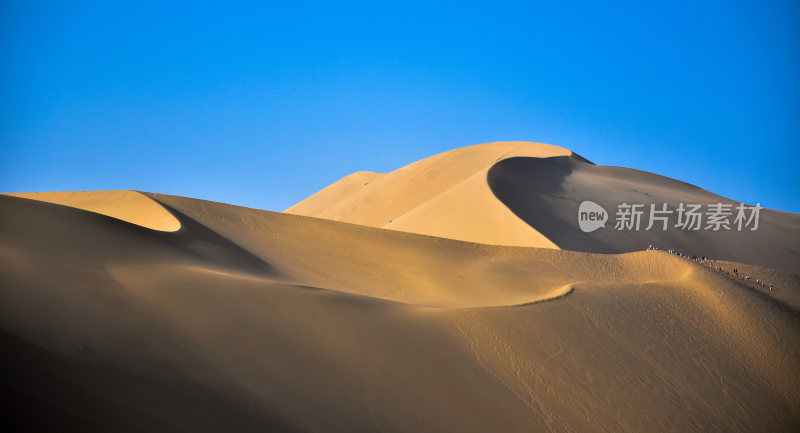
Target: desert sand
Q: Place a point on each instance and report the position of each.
(363, 309)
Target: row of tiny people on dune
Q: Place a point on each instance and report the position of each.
(710, 263)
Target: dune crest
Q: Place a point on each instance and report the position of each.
(126, 205)
(546, 193)
(445, 195)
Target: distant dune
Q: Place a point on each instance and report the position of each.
(128, 311)
(445, 195)
(528, 194)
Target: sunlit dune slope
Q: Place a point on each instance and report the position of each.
(250, 320)
(445, 195)
(396, 266)
(130, 206)
(528, 194)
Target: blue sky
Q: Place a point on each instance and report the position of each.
(262, 104)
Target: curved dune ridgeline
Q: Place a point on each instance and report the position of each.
(130, 206)
(251, 320)
(546, 194)
(444, 195)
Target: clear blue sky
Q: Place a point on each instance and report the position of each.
(262, 105)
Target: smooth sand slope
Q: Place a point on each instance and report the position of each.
(528, 194)
(247, 320)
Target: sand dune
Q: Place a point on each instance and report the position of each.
(528, 194)
(250, 320)
(445, 195)
(130, 206)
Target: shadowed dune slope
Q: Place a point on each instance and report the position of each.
(528, 194)
(260, 321)
(546, 194)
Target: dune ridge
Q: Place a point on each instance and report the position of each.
(445, 195)
(546, 194)
(398, 271)
(126, 205)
